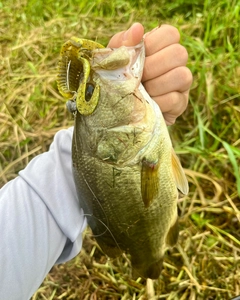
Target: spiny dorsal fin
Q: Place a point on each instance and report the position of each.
(179, 175)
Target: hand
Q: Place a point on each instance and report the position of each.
(165, 75)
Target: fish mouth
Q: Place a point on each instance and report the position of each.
(128, 62)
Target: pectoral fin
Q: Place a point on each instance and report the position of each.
(149, 181)
(179, 175)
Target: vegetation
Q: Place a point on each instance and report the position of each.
(206, 262)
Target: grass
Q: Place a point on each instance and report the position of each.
(206, 262)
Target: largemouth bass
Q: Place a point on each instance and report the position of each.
(126, 173)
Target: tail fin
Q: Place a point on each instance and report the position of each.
(152, 271)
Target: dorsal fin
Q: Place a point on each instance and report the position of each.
(179, 175)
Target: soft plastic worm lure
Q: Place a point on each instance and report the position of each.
(74, 75)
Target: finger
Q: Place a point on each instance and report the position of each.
(131, 37)
(160, 38)
(163, 61)
(178, 79)
(172, 105)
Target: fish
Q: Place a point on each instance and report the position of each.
(127, 175)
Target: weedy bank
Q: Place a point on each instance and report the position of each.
(205, 264)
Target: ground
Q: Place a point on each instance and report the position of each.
(205, 263)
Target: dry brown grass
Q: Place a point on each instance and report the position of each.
(205, 264)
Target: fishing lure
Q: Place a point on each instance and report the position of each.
(74, 75)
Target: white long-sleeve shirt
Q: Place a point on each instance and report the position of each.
(41, 222)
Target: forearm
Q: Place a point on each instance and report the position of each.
(40, 220)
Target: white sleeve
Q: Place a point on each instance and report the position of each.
(41, 222)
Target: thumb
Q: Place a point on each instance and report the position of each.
(131, 37)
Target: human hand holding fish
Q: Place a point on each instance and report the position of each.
(165, 75)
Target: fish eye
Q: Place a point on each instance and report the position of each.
(89, 91)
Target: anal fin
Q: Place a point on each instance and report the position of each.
(172, 235)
